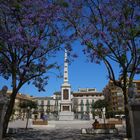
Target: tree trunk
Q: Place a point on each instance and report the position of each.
(9, 112)
(128, 125)
(127, 117)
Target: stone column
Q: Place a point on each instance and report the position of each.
(135, 119)
(2, 114)
(1, 119)
(3, 107)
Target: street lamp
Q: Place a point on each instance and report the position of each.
(103, 115)
(28, 112)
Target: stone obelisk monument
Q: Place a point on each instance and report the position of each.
(66, 103)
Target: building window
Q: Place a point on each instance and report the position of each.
(87, 106)
(82, 109)
(82, 106)
(82, 103)
(48, 103)
(92, 105)
(42, 102)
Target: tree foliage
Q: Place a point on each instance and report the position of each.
(108, 36)
(110, 32)
(30, 36)
(100, 104)
(26, 104)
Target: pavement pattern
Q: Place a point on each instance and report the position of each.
(59, 134)
(58, 130)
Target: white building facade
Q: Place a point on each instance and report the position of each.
(83, 101)
(82, 104)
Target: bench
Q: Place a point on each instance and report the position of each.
(115, 121)
(40, 122)
(98, 131)
(101, 129)
(105, 126)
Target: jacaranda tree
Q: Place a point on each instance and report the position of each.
(110, 30)
(30, 35)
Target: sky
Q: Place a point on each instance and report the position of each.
(82, 74)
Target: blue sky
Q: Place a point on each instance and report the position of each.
(82, 74)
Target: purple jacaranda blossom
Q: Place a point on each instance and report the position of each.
(26, 21)
(20, 29)
(35, 40)
(129, 22)
(30, 31)
(108, 29)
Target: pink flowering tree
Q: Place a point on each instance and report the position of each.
(30, 35)
(110, 32)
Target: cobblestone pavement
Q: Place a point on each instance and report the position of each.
(59, 134)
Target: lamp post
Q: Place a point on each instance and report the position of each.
(103, 115)
(28, 111)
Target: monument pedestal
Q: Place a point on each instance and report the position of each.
(66, 116)
(66, 113)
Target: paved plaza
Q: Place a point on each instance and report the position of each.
(76, 124)
(58, 130)
(59, 134)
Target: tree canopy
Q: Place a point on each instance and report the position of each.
(30, 36)
(110, 32)
(100, 104)
(26, 104)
